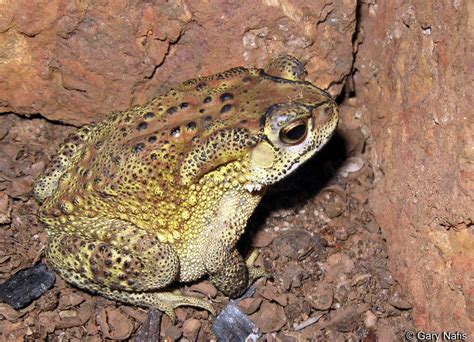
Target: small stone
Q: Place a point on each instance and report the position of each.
(191, 328)
(271, 293)
(270, 318)
(173, 332)
(150, 330)
(232, 325)
(21, 186)
(295, 244)
(181, 314)
(5, 209)
(250, 305)
(351, 165)
(292, 277)
(70, 299)
(26, 286)
(337, 265)
(370, 320)
(321, 297)
(116, 325)
(346, 319)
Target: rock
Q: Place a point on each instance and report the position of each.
(150, 330)
(191, 328)
(370, 320)
(294, 244)
(321, 296)
(336, 266)
(120, 58)
(333, 200)
(26, 286)
(351, 165)
(114, 324)
(9, 313)
(69, 299)
(5, 209)
(270, 292)
(292, 277)
(21, 187)
(232, 325)
(270, 318)
(173, 332)
(250, 305)
(424, 170)
(346, 319)
(386, 332)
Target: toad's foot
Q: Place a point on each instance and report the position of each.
(255, 273)
(163, 301)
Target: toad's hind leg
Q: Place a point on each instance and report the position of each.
(121, 262)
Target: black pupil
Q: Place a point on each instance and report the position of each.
(295, 133)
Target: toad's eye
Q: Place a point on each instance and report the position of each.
(294, 133)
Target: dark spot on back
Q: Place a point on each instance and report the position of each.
(172, 110)
(175, 132)
(226, 108)
(207, 99)
(202, 110)
(191, 126)
(226, 96)
(152, 139)
(139, 147)
(184, 105)
(148, 115)
(200, 86)
(141, 126)
(246, 79)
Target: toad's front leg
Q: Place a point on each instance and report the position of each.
(226, 267)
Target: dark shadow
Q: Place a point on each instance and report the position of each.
(297, 189)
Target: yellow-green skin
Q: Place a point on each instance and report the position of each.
(162, 193)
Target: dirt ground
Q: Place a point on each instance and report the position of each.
(316, 237)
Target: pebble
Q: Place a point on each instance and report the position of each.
(295, 244)
(292, 277)
(232, 324)
(70, 299)
(270, 318)
(150, 330)
(114, 324)
(191, 328)
(352, 165)
(5, 209)
(26, 286)
(370, 320)
(321, 297)
(250, 305)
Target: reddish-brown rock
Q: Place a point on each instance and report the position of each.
(414, 87)
(77, 61)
